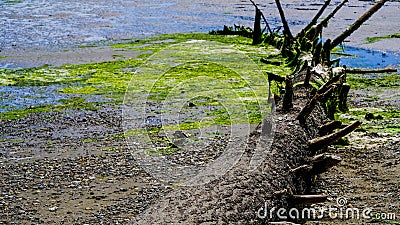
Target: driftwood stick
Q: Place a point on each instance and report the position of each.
(324, 88)
(274, 77)
(317, 54)
(308, 77)
(286, 191)
(324, 141)
(363, 71)
(353, 27)
(328, 94)
(286, 28)
(325, 21)
(314, 20)
(262, 15)
(329, 126)
(303, 169)
(308, 199)
(326, 52)
(266, 61)
(308, 108)
(319, 164)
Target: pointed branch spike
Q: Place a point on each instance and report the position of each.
(325, 21)
(314, 20)
(303, 169)
(329, 126)
(319, 164)
(324, 141)
(286, 28)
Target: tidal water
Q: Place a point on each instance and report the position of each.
(62, 23)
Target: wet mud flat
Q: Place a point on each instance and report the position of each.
(62, 32)
(72, 167)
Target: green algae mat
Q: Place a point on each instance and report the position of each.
(88, 85)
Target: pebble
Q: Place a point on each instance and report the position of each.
(53, 209)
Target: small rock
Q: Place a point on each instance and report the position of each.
(53, 209)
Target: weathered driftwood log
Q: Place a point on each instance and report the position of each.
(308, 199)
(353, 27)
(324, 141)
(236, 197)
(328, 127)
(363, 71)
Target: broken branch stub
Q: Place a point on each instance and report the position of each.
(324, 141)
(329, 126)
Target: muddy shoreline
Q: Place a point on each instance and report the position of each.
(74, 167)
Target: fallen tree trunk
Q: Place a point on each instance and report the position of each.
(238, 196)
